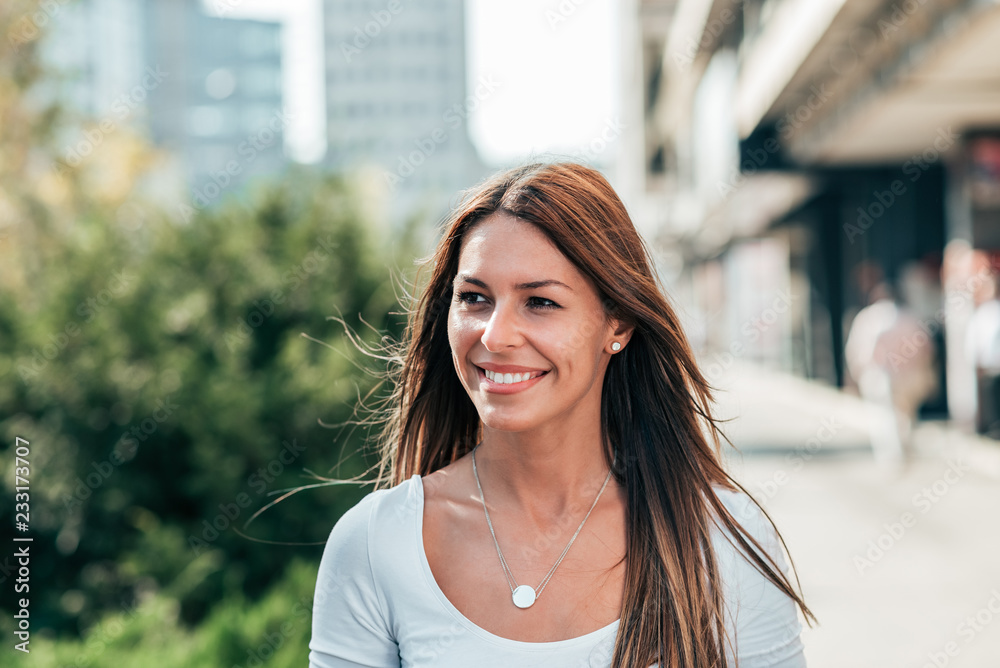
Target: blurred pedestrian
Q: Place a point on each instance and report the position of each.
(982, 346)
(891, 358)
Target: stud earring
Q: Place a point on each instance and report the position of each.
(616, 346)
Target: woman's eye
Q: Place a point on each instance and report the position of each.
(465, 297)
(548, 302)
(471, 298)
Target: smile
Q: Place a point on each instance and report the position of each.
(507, 383)
(511, 378)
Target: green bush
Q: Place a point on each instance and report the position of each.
(164, 379)
(174, 370)
(274, 631)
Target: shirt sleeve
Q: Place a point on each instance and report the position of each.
(349, 627)
(765, 621)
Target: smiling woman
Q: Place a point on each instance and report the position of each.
(547, 492)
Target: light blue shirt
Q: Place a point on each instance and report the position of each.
(377, 604)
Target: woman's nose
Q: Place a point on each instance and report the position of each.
(503, 329)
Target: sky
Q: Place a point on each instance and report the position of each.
(555, 62)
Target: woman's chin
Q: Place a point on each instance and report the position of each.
(507, 420)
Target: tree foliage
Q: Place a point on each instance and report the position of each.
(172, 377)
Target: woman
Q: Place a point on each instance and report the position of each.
(554, 499)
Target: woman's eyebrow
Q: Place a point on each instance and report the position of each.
(531, 285)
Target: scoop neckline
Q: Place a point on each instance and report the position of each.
(425, 567)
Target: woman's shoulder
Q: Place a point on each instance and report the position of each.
(735, 499)
(764, 618)
(364, 537)
(748, 514)
(742, 580)
(366, 518)
(353, 619)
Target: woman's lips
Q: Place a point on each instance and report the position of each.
(507, 388)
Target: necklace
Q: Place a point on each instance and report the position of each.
(524, 596)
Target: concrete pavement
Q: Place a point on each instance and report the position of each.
(901, 568)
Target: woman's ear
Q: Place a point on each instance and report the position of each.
(625, 332)
(621, 331)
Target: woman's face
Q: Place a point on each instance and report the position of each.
(520, 307)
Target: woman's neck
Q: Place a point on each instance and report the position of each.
(542, 474)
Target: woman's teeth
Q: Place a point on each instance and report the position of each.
(508, 378)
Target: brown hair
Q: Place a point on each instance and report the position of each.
(654, 403)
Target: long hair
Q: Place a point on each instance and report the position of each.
(654, 404)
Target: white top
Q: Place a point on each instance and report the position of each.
(377, 603)
(982, 339)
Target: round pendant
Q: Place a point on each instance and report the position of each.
(524, 596)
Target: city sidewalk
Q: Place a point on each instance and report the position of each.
(774, 412)
(902, 569)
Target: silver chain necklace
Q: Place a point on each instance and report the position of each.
(524, 596)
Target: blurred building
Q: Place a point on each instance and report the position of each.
(206, 89)
(220, 106)
(98, 45)
(819, 147)
(642, 164)
(397, 102)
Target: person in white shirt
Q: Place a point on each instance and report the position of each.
(890, 355)
(551, 492)
(982, 346)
